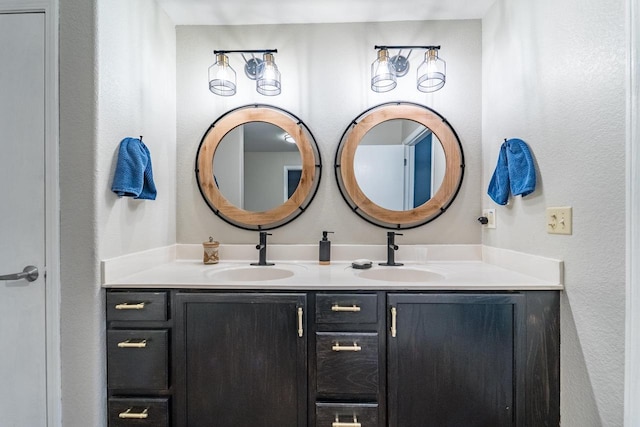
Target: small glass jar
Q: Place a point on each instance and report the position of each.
(210, 255)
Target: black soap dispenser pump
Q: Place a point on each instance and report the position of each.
(324, 257)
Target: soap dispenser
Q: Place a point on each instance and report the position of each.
(324, 257)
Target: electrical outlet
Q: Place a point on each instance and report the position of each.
(559, 220)
(490, 214)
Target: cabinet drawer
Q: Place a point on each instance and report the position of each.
(346, 415)
(126, 412)
(137, 359)
(142, 306)
(347, 363)
(346, 308)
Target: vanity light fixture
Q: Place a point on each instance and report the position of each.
(385, 70)
(222, 78)
(288, 138)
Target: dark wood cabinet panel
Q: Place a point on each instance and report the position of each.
(267, 359)
(240, 360)
(137, 412)
(542, 376)
(347, 364)
(137, 359)
(136, 306)
(349, 414)
(340, 308)
(455, 360)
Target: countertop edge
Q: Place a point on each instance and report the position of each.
(488, 269)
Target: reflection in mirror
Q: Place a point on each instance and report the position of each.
(399, 164)
(256, 168)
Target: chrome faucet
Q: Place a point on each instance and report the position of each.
(262, 247)
(391, 249)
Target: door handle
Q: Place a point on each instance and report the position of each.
(30, 273)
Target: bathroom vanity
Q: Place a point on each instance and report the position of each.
(325, 347)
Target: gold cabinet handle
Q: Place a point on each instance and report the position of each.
(133, 344)
(338, 347)
(300, 329)
(130, 306)
(134, 415)
(350, 309)
(394, 314)
(338, 423)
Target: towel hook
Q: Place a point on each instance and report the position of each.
(141, 138)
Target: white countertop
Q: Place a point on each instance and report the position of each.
(446, 267)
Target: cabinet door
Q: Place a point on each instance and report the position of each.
(455, 360)
(240, 360)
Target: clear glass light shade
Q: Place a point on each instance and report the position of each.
(268, 82)
(383, 76)
(432, 72)
(222, 78)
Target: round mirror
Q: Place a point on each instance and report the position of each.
(399, 165)
(258, 167)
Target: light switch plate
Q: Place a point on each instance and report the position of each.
(559, 220)
(490, 214)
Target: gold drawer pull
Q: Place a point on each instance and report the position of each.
(134, 415)
(338, 347)
(300, 323)
(133, 344)
(394, 315)
(338, 423)
(130, 306)
(350, 309)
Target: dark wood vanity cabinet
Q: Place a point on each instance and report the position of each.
(241, 359)
(473, 360)
(347, 367)
(454, 360)
(138, 353)
(334, 359)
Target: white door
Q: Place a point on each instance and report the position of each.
(23, 387)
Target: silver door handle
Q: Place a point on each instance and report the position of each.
(30, 273)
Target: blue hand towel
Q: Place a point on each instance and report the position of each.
(499, 184)
(134, 176)
(522, 170)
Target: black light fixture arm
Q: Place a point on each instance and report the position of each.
(406, 47)
(215, 52)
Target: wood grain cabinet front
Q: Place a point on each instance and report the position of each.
(137, 306)
(202, 358)
(347, 415)
(348, 370)
(473, 359)
(344, 308)
(137, 412)
(137, 359)
(347, 364)
(241, 359)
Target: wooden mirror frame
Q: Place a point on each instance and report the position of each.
(309, 156)
(370, 211)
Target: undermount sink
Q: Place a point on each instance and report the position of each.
(400, 274)
(256, 273)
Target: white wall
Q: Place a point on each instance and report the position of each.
(81, 305)
(325, 81)
(124, 88)
(137, 96)
(554, 75)
(632, 375)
